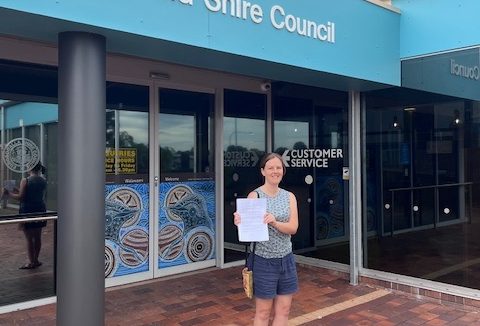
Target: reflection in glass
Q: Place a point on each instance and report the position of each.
(177, 135)
(243, 133)
(244, 145)
(26, 143)
(28, 135)
(18, 285)
(292, 134)
(127, 196)
(425, 170)
(184, 132)
(187, 207)
(126, 154)
(306, 121)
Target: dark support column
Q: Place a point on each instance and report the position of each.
(81, 175)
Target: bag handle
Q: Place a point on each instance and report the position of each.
(247, 245)
(253, 253)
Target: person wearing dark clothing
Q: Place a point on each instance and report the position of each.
(31, 196)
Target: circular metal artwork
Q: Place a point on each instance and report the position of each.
(21, 155)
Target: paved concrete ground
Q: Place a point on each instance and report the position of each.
(215, 297)
(18, 285)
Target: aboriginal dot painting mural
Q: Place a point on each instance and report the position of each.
(126, 229)
(186, 223)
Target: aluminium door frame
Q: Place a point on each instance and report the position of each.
(140, 276)
(155, 168)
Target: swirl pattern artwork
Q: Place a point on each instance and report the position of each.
(186, 222)
(330, 214)
(126, 229)
(136, 239)
(170, 242)
(199, 245)
(129, 198)
(110, 263)
(174, 195)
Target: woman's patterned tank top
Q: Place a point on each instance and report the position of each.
(279, 244)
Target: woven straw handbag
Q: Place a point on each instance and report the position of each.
(247, 274)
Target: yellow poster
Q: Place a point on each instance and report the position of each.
(122, 161)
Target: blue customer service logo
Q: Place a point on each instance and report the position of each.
(21, 155)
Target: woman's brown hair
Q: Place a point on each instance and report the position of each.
(267, 157)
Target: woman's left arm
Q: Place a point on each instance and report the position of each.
(291, 226)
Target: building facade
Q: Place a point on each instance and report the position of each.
(151, 118)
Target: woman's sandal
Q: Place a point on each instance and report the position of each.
(27, 266)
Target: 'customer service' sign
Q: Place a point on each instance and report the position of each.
(310, 158)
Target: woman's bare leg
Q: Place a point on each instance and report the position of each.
(37, 244)
(281, 306)
(263, 307)
(30, 245)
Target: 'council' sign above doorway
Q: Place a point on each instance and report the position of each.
(455, 73)
(279, 18)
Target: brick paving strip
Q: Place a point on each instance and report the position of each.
(215, 298)
(318, 314)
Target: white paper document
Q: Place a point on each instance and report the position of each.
(252, 212)
(9, 185)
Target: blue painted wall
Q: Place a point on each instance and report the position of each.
(366, 36)
(428, 26)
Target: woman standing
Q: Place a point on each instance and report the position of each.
(31, 196)
(274, 272)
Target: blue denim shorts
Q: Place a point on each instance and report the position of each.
(274, 276)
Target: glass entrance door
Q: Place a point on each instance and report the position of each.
(244, 131)
(310, 132)
(421, 179)
(127, 189)
(185, 186)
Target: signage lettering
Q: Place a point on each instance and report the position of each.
(464, 71)
(238, 8)
(123, 161)
(310, 158)
(279, 18)
(240, 159)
